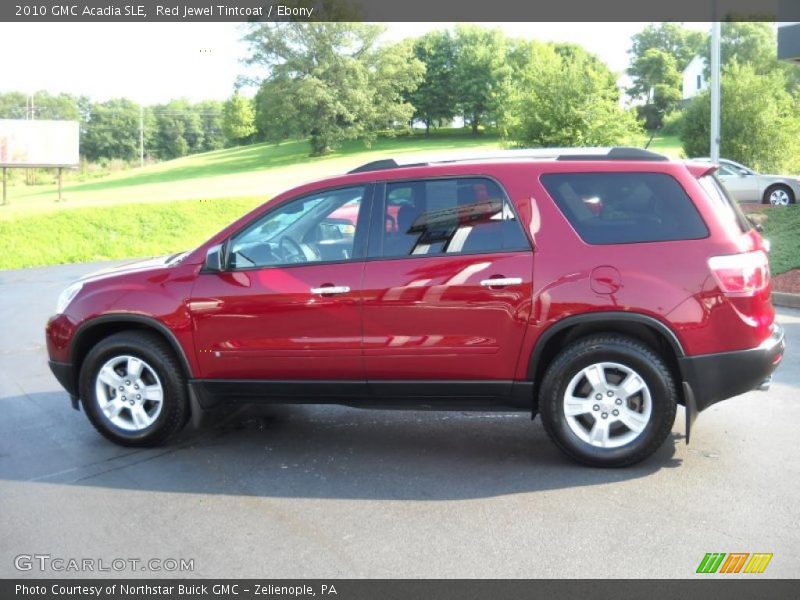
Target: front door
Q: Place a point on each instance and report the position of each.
(447, 291)
(288, 306)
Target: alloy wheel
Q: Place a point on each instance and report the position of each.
(129, 393)
(779, 197)
(607, 405)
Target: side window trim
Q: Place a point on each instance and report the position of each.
(376, 233)
(362, 235)
(359, 242)
(377, 230)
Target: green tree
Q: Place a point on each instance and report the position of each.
(659, 53)
(759, 122)
(111, 130)
(238, 119)
(210, 113)
(746, 44)
(433, 99)
(753, 44)
(565, 96)
(481, 74)
(13, 105)
(58, 107)
(660, 68)
(273, 125)
(179, 129)
(330, 81)
(674, 39)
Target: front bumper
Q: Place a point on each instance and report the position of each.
(66, 377)
(711, 378)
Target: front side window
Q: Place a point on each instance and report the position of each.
(624, 208)
(317, 228)
(448, 216)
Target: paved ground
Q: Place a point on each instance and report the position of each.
(338, 492)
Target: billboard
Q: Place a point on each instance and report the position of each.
(29, 143)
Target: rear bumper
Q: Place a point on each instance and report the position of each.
(716, 377)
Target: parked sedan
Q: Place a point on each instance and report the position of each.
(745, 185)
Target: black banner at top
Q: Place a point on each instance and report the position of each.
(398, 11)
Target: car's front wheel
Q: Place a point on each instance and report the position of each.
(133, 389)
(608, 401)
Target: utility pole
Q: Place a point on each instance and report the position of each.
(141, 135)
(30, 175)
(715, 89)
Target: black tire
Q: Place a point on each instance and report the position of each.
(779, 186)
(629, 353)
(158, 355)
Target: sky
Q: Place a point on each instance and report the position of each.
(155, 62)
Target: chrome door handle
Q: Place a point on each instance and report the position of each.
(331, 289)
(501, 281)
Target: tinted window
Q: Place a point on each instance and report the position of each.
(723, 203)
(316, 228)
(614, 208)
(448, 216)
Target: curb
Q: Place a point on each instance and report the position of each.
(786, 300)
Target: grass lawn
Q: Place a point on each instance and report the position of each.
(176, 205)
(669, 145)
(257, 170)
(782, 229)
(107, 232)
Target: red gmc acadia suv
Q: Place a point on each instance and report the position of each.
(599, 288)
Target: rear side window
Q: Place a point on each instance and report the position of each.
(448, 216)
(625, 208)
(725, 206)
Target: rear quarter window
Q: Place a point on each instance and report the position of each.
(625, 208)
(724, 205)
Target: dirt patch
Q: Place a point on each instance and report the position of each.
(753, 207)
(788, 282)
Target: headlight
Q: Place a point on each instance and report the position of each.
(67, 296)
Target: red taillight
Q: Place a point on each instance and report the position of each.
(741, 274)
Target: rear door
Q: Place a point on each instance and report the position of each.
(448, 282)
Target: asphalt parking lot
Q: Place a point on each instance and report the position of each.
(339, 492)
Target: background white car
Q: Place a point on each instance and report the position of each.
(745, 185)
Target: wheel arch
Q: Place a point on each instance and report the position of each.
(644, 328)
(94, 330)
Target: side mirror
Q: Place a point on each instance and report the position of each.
(215, 259)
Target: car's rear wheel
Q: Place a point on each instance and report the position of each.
(133, 389)
(608, 401)
(779, 195)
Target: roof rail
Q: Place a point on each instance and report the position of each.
(617, 153)
(376, 165)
